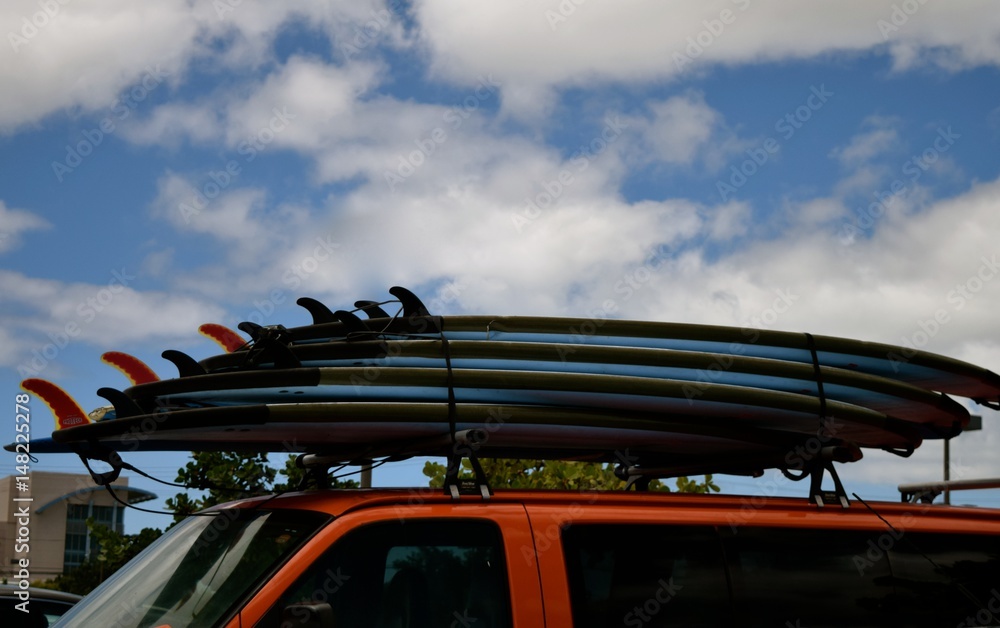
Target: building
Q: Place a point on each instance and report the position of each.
(57, 506)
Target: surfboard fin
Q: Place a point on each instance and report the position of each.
(226, 338)
(412, 305)
(371, 308)
(64, 408)
(351, 321)
(124, 406)
(131, 367)
(277, 352)
(186, 365)
(320, 312)
(251, 329)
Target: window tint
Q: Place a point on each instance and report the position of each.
(947, 579)
(650, 576)
(414, 574)
(199, 572)
(813, 577)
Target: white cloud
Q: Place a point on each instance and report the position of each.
(880, 136)
(684, 130)
(730, 221)
(14, 222)
(87, 54)
(49, 312)
(534, 46)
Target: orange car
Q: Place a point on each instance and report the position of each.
(420, 558)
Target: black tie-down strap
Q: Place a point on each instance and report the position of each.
(465, 445)
(821, 463)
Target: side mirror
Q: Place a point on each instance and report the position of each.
(308, 615)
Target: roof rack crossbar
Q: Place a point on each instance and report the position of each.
(927, 492)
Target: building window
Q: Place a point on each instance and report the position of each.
(77, 534)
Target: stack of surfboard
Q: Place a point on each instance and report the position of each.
(366, 383)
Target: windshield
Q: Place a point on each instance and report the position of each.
(197, 573)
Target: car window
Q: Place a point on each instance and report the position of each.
(946, 579)
(808, 577)
(415, 574)
(199, 572)
(645, 575)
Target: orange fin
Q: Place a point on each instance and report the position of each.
(132, 367)
(65, 409)
(225, 337)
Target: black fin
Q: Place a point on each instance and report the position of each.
(280, 354)
(251, 329)
(185, 364)
(124, 406)
(371, 308)
(412, 305)
(320, 313)
(351, 322)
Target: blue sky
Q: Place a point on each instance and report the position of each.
(188, 162)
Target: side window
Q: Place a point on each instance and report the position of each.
(405, 574)
(809, 577)
(947, 579)
(645, 575)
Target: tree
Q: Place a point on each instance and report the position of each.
(557, 474)
(224, 476)
(114, 550)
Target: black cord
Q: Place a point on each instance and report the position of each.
(900, 535)
(115, 497)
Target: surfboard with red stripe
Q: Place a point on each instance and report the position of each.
(65, 409)
(226, 338)
(137, 371)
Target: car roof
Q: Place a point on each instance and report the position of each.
(732, 509)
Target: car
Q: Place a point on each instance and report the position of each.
(421, 557)
(44, 606)
(656, 400)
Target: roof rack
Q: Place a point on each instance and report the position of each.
(926, 492)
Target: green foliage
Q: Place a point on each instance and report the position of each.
(685, 485)
(115, 550)
(557, 474)
(225, 476)
(295, 475)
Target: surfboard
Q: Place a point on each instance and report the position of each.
(921, 368)
(699, 368)
(568, 388)
(363, 431)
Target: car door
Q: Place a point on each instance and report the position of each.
(451, 565)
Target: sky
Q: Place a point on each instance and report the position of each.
(824, 167)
